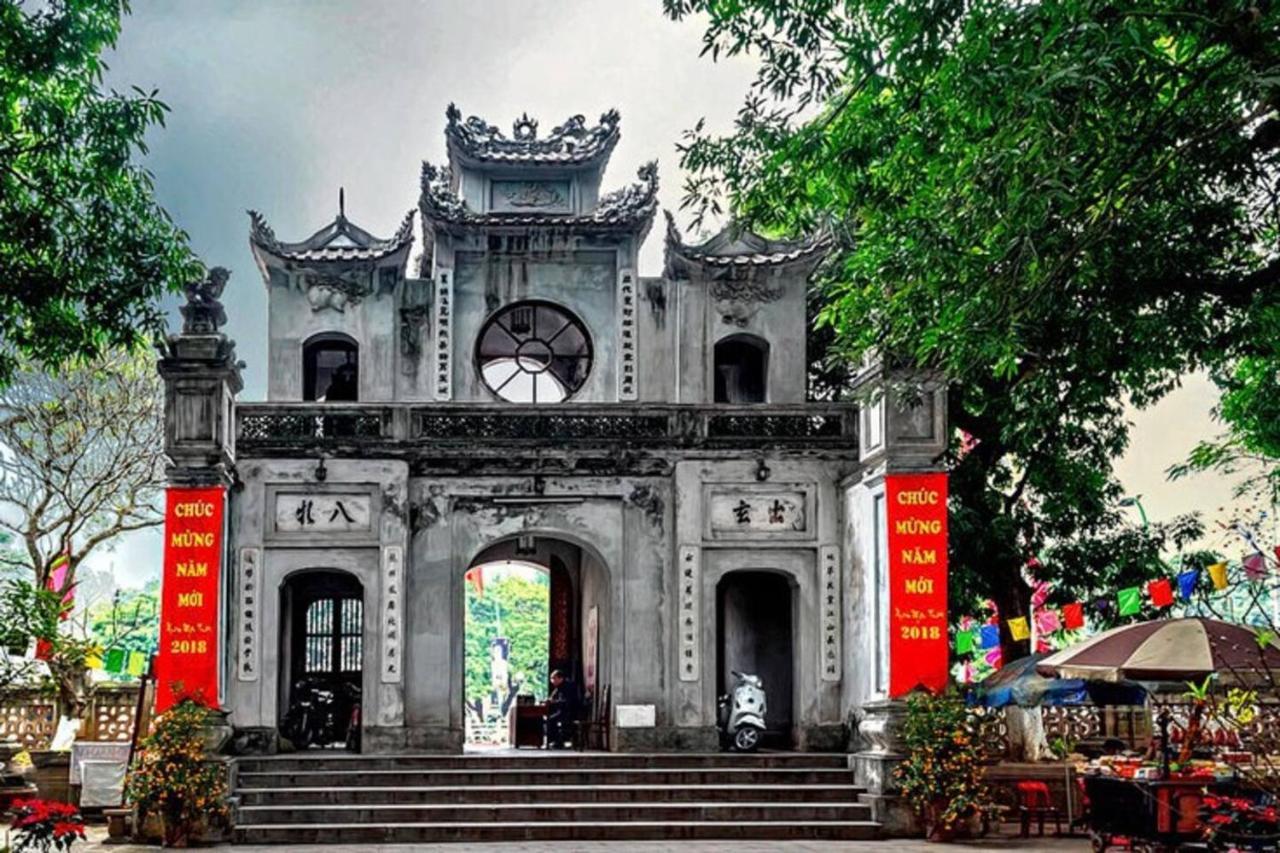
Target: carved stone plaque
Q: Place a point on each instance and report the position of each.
(759, 512)
(327, 512)
(530, 197)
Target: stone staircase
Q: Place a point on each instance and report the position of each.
(543, 796)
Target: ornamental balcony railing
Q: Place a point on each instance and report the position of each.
(276, 427)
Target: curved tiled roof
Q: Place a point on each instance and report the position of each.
(570, 144)
(340, 240)
(736, 248)
(625, 208)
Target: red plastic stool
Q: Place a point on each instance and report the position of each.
(1033, 801)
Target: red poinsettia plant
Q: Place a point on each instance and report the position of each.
(45, 825)
(1239, 820)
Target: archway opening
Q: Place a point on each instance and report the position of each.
(741, 369)
(331, 369)
(755, 635)
(322, 659)
(534, 606)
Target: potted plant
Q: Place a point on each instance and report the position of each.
(1239, 823)
(172, 779)
(44, 825)
(942, 775)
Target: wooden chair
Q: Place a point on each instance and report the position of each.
(593, 732)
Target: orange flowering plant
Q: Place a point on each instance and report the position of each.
(942, 775)
(171, 778)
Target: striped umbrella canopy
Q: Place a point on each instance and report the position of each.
(1171, 650)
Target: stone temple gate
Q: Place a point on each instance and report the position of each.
(518, 387)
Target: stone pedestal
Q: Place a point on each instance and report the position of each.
(879, 753)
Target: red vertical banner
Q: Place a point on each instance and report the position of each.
(187, 661)
(917, 540)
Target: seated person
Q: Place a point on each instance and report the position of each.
(562, 711)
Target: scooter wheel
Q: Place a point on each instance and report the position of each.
(746, 739)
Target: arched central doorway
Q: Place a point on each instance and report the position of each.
(321, 658)
(534, 606)
(755, 630)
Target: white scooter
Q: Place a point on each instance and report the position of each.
(741, 716)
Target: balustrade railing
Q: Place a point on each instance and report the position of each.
(279, 426)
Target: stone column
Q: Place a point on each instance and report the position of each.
(903, 429)
(201, 379)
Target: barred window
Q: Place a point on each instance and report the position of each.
(333, 634)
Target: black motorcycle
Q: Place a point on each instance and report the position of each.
(323, 713)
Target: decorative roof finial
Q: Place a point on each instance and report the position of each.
(203, 313)
(342, 203)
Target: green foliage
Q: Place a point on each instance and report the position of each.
(85, 250)
(942, 774)
(29, 614)
(517, 607)
(171, 777)
(1062, 206)
(129, 620)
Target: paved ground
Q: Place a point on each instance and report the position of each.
(97, 844)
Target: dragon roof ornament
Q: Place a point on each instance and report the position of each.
(571, 143)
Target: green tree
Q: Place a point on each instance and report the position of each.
(517, 607)
(128, 620)
(1062, 206)
(85, 250)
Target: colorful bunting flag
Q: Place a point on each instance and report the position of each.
(964, 642)
(1187, 582)
(990, 636)
(1129, 601)
(1073, 616)
(92, 662)
(1161, 592)
(137, 663)
(1218, 574)
(1255, 566)
(1019, 629)
(1047, 621)
(115, 660)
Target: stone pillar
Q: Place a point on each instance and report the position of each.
(903, 429)
(201, 378)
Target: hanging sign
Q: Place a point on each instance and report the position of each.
(917, 540)
(186, 663)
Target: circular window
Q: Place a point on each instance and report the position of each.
(534, 352)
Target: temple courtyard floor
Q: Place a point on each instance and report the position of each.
(97, 843)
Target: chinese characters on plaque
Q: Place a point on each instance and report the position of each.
(323, 513)
(759, 512)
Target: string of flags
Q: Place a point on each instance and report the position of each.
(972, 637)
(119, 661)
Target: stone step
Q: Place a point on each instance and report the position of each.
(540, 759)
(573, 830)
(496, 774)
(714, 812)
(551, 793)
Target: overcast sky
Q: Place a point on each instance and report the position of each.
(277, 103)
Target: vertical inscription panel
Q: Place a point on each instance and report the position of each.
(444, 336)
(829, 574)
(247, 628)
(627, 335)
(392, 622)
(690, 618)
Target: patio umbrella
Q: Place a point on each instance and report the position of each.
(1018, 683)
(1170, 650)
